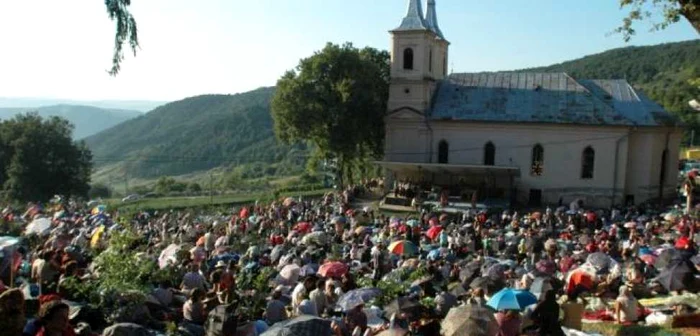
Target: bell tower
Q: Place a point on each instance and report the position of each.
(419, 53)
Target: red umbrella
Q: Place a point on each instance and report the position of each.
(579, 278)
(333, 269)
(433, 232)
(304, 227)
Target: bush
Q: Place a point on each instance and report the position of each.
(99, 191)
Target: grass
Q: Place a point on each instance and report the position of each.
(611, 329)
(203, 201)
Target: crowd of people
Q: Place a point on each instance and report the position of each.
(324, 267)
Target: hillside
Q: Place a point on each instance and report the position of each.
(88, 120)
(135, 105)
(196, 134)
(661, 71)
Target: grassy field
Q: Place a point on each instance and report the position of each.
(202, 201)
(611, 329)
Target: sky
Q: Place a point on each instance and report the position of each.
(62, 49)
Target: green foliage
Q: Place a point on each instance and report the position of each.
(198, 134)
(336, 99)
(663, 72)
(118, 266)
(166, 185)
(99, 191)
(39, 159)
(668, 11)
(194, 188)
(118, 10)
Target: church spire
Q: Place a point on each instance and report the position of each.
(414, 17)
(431, 19)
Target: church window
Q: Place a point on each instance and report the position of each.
(443, 151)
(587, 163)
(430, 60)
(489, 154)
(408, 59)
(537, 165)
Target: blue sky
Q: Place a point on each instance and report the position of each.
(61, 49)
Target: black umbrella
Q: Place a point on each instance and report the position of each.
(304, 325)
(676, 277)
(540, 286)
(457, 289)
(668, 257)
(404, 305)
(469, 271)
(489, 284)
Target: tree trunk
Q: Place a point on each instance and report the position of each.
(690, 9)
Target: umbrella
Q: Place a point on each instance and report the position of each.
(676, 277)
(303, 227)
(126, 329)
(317, 237)
(469, 320)
(433, 232)
(422, 281)
(489, 284)
(357, 297)
(333, 269)
(406, 305)
(39, 226)
(649, 259)
(667, 257)
(305, 325)
(546, 266)
(445, 301)
(496, 271)
(290, 273)
(469, 271)
(540, 286)
(434, 254)
(338, 220)
(403, 247)
(413, 223)
(457, 289)
(169, 255)
(276, 253)
(579, 278)
(7, 241)
(599, 260)
(511, 299)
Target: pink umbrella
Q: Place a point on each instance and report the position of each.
(333, 269)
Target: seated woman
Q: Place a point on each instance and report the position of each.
(193, 310)
(626, 307)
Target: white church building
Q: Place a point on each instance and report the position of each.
(529, 138)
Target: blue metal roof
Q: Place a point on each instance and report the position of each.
(414, 18)
(543, 97)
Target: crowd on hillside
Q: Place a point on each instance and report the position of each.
(322, 267)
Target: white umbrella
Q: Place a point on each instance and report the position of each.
(39, 226)
(169, 255)
(290, 273)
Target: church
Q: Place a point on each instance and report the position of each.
(523, 138)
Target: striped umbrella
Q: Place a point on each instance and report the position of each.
(403, 247)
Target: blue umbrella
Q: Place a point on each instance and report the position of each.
(434, 254)
(357, 297)
(511, 299)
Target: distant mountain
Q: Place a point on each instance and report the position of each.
(661, 71)
(137, 105)
(195, 134)
(87, 120)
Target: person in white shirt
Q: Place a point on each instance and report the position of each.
(302, 290)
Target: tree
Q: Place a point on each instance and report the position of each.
(671, 12)
(194, 188)
(126, 31)
(335, 99)
(39, 159)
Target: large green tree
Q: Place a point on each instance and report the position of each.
(39, 159)
(335, 99)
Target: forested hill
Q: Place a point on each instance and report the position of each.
(661, 71)
(194, 134)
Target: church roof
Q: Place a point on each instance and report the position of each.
(543, 98)
(414, 18)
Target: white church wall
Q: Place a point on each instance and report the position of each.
(563, 148)
(646, 149)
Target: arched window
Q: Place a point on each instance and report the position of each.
(489, 154)
(443, 151)
(537, 164)
(587, 163)
(408, 59)
(430, 60)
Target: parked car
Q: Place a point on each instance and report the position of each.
(130, 198)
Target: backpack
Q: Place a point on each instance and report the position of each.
(222, 321)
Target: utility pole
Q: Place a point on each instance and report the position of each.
(126, 184)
